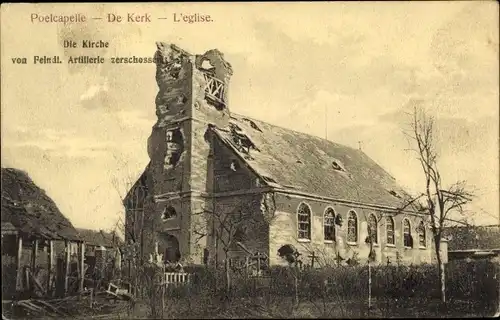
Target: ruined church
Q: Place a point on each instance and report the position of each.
(221, 185)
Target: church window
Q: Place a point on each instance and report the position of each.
(169, 213)
(373, 229)
(421, 235)
(352, 227)
(407, 239)
(304, 221)
(329, 225)
(214, 91)
(175, 146)
(389, 229)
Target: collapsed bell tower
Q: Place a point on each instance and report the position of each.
(192, 95)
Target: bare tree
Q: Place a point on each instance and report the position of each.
(438, 202)
(228, 228)
(132, 196)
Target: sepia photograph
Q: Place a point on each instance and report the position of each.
(334, 160)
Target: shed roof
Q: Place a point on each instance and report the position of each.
(473, 237)
(30, 210)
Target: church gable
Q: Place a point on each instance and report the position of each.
(135, 198)
(231, 173)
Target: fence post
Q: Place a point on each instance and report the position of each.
(162, 291)
(369, 286)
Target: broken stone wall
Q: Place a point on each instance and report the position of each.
(211, 75)
(192, 95)
(158, 226)
(168, 144)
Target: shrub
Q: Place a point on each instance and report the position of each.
(465, 280)
(474, 280)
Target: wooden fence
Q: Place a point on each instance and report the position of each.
(176, 278)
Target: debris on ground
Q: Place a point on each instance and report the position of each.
(87, 303)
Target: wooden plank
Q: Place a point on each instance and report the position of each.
(18, 262)
(82, 265)
(50, 267)
(51, 307)
(35, 282)
(27, 278)
(34, 254)
(66, 264)
(26, 304)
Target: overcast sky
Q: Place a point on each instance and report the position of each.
(359, 66)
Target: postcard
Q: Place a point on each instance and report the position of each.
(236, 160)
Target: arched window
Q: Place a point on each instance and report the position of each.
(407, 242)
(352, 227)
(304, 221)
(389, 229)
(373, 229)
(421, 235)
(168, 213)
(329, 225)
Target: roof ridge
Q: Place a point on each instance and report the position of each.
(34, 219)
(295, 131)
(319, 138)
(86, 229)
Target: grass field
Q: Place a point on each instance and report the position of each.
(259, 308)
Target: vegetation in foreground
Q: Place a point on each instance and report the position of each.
(334, 292)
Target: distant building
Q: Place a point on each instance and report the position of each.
(101, 248)
(99, 239)
(473, 242)
(206, 161)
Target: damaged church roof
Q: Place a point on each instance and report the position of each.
(312, 165)
(30, 210)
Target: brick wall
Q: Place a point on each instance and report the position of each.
(254, 230)
(284, 231)
(181, 104)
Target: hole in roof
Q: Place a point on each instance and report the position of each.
(268, 179)
(234, 166)
(394, 193)
(240, 139)
(336, 165)
(252, 124)
(235, 127)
